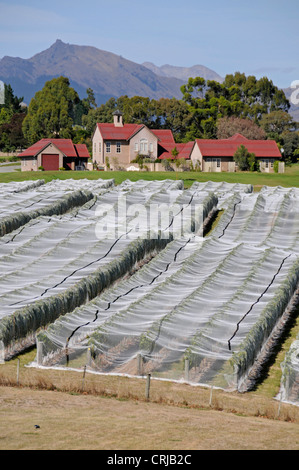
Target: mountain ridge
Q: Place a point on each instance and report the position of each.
(183, 73)
(108, 74)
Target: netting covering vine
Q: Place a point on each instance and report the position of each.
(202, 309)
(123, 280)
(53, 264)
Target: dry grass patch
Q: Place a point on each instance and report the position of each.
(91, 422)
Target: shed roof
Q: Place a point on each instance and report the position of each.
(228, 147)
(66, 146)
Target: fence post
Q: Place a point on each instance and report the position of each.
(88, 359)
(187, 370)
(18, 370)
(139, 364)
(211, 396)
(83, 379)
(147, 389)
(39, 345)
(2, 354)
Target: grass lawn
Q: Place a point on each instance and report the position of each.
(288, 179)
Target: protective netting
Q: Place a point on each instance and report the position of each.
(289, 390)
(125, 282)
(203, 309)
(53, 264)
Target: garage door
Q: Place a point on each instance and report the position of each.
(50, 161)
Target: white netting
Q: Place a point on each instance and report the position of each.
(129, 285)
(203, 308)
(51, 265)
(289, 390)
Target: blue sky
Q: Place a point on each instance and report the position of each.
(257, 37)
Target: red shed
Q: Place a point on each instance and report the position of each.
(53, 154)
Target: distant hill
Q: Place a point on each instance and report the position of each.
(184, 73)
(108, 74)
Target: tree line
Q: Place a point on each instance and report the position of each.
(208, 109)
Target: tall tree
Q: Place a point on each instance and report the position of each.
(277, 122)
(238, 95)
(51, 111)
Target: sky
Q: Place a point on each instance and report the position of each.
(256, 37)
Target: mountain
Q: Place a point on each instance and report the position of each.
(183, 73)
(108, 74)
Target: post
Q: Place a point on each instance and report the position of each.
(139, 364)
(211, 395)
(39, 353)
(187, 370)
(18, 371)
(147, 389)
(83, 379)
(2, 354)
(88, 359)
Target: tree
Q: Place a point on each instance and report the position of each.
(12, 115)
(244, 159)
(277, 122)
(11, 134)
(290, 143)
(238, 96)
(11, 102)
(228, 126)
(50, 113)
(103, 113)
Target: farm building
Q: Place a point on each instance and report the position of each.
(52, 154)
(120, 143)
(217, 155)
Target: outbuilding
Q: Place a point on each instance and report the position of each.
(218, 154)
(53, 154)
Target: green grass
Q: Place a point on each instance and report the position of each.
(288, 179)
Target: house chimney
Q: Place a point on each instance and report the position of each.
(118, 118)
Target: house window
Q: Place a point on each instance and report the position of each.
(108, 147)
(136, 147)
(118, 147)
(143, 146)
(218, 162)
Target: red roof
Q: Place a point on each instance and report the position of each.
(82, 151)
(165, 135)
(111, 132)
(228, 147)
(66, 146)
(183, 149)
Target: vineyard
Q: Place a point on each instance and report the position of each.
(125, 280)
